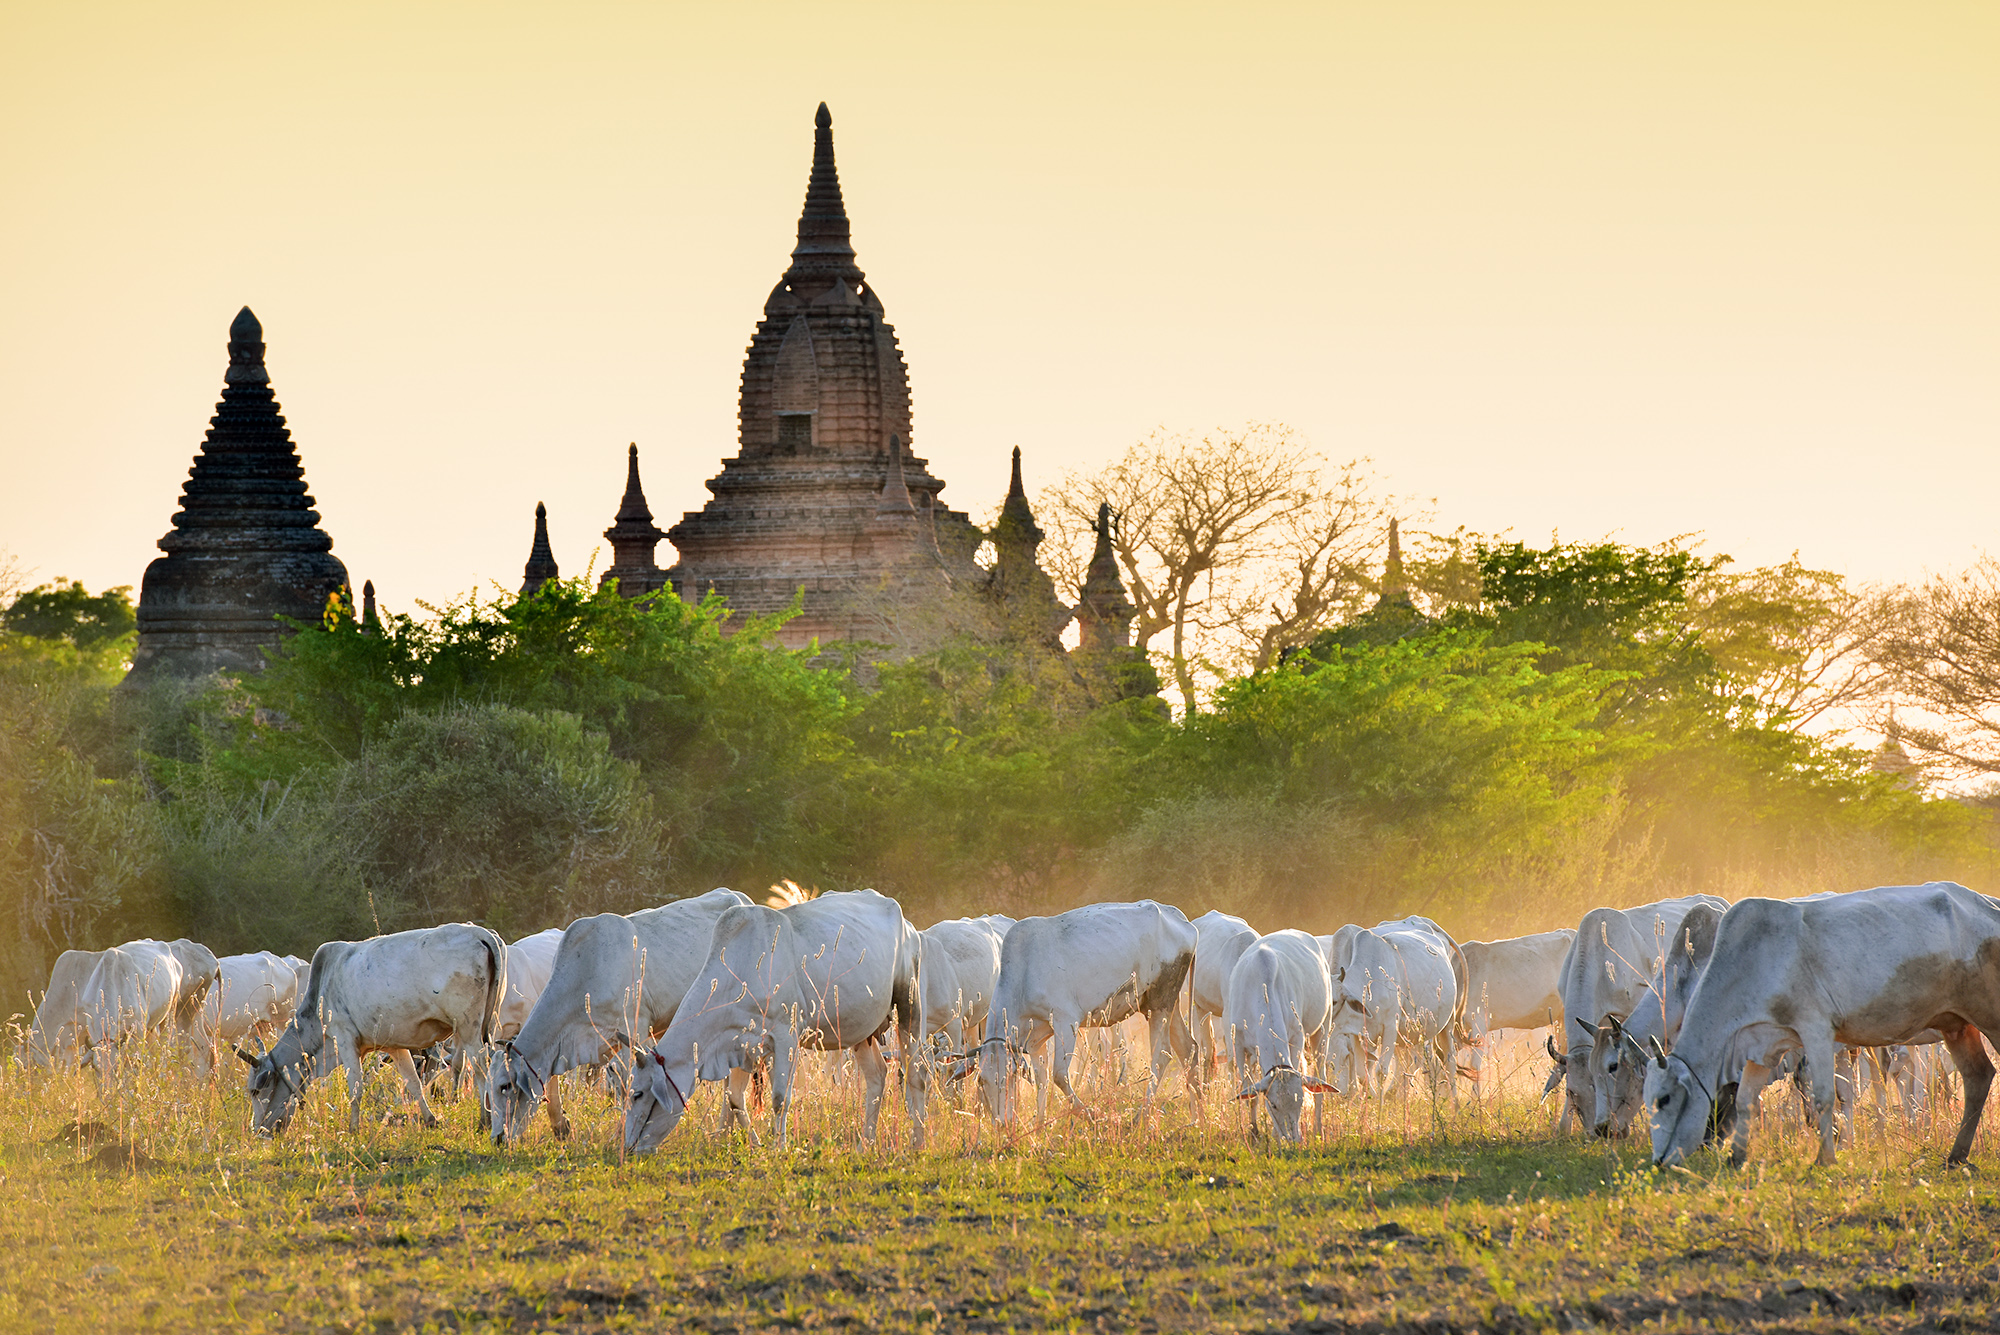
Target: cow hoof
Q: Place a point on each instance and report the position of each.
(561, 1130)
(431, 1121)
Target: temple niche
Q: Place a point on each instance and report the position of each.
(246, 546)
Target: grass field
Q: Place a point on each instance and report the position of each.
(162, 1213)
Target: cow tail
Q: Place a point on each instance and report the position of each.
(496, 984)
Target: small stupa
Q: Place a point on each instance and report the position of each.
(541, 567)
(634, 537)
(246, 547)
(1104, 613)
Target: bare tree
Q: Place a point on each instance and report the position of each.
(1232, 544)
(1803, 644)
(1942, 655)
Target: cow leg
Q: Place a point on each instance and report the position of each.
(1062, 1050)
(407, 1068)
(552, 1095)
(357, 1076)
(1749, 1088)
(874, 1068)
(1822, 1064)
(1157, 1028)
(1968, 1054)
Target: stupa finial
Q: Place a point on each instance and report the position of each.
(824, 248)
(541, 567)
(634, 537)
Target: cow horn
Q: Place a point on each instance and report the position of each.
(1554, 1056)
(248, 1058)
(1615, 1027)
(1659, 1052)
(1588, 1031)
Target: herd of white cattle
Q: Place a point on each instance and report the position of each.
(1685, 1009)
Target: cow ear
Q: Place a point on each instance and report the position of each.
(1249, 1091)
(1321, 1087)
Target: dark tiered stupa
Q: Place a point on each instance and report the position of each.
(541, 567)
(824, 492)
(1104, 613)
(246, 546)
(1025, 595)
(634, 537)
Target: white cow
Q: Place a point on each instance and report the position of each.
(1615, 954)
(1088, 968)
(1399, 995)
(1279, 1020)
(254, 998)
(961, 959)
(1512, 984)
(829, 974)
(98, 999)
(1621, 1068)
(389, 993)
(615, 975)
(1219, 941)
(1871, 968)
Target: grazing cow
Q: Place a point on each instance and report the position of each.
(1279, 1014)
(1219, 941)
(1088, 968)
(98, 999)
(614, 975)
(1621, 1070)
(1511, 984)
(254, 998)
(1867, 969)
(389, 993)
(1614, 956)
(961, 959)
(830, 973)
(1400, 989)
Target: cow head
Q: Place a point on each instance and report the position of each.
(998, 1060)
(1284, 1091)
(1681, 1107)
(1618, 1067)
(1557, 1071)
(517, 1091)
(659, 1098)
(275, 1086)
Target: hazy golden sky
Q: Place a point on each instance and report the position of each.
(1597, 267)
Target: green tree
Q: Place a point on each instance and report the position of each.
(68, 612)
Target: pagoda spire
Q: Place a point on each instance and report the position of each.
(371, 622)
(246, 547)
(824, 249)
(1395, 585)
(633, 537)
(541, 567)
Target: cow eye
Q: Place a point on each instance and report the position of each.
(1663, 1101)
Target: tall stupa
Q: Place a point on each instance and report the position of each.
(246, 546)
(825, 492)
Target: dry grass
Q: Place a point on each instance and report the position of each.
(163, 1213)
